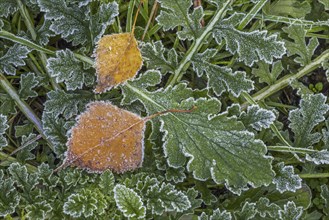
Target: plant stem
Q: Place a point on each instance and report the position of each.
(284, 81)
(313, 175)
(291, 149)
(30, 44)
(197, 43)
(6, 159)
(23, 106)
(252, 13)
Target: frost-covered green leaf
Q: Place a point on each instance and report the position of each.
(319, 157)
(303, 120)
(177, 14)
(44, 33)
(107, 182)
(55, 130)
(27, 83)
(217, 147)
(257, 117)
(7, 104)
(217, 215)
(165, 198)
(7, 7)
(14, 57)
(299, 46)
(286, 179)
(325, 197)
(66, 104)
(265, 208)
(247, 212)
(23, 179)
(290, 211)
(78, 24)
(86, 203)
(3, 128)
(176, 175)
(129, 202)
(250, 46)
(8, 195)
(206, 194)
(265, 75)
(38, 210)
(293, 8)
(1, 24)
(157, 56)
(27, 145)
(68, 69)
(221, 79)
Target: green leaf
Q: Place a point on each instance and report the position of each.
(23, 179)
(3, 128)
(175, 175)
(250, 46)
(247, 212)
(27, 83)
(293, 8)
(24, 129)
(77, 24)
(129, 202)
(68, 69)
(229, 154)
(55, 130)
(298, 46)
(85, 203)
(325, 197)
(165, 198)
(303, 120)
(13, 58)
(257, 118)
(66, 104)
(7, 7)
(157, 56)
(107, 182)
(221, 79)
(319, 157)
(217, 215)
(177, 14)
(8, 105)
(8, 195)
(265, 208)
(291, 211)
(38, 210)
(286, 179)
(27, 145)
(264, 73)
(44, 33)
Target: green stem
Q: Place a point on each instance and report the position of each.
(6, 159)
(284, 81)
(23, 106)
(20, 40)
(27, 19)
(197, 43)
(313, 175)
(252, 13)
(291, 149)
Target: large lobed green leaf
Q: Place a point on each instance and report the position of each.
(216, 146)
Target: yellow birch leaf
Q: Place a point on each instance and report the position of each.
(106, 137)
(118, 59)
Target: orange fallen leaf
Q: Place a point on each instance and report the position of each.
(118, 59)
(106, 137)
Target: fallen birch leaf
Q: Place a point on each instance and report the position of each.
(118, 59)
(106, 137)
